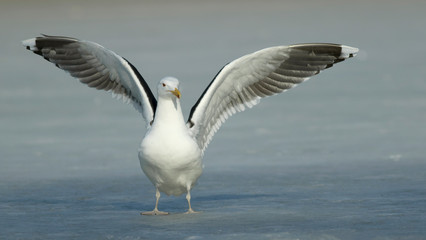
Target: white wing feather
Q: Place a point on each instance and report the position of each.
(244, 81)
(97, 67)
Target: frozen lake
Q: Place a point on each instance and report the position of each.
(340, 157)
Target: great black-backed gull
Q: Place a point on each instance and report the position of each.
(172, 150)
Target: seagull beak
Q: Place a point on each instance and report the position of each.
(176, 93)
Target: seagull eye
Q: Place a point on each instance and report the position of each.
(164, 84)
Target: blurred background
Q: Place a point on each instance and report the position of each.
(339, 157)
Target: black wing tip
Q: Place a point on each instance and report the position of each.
(38, 43)
(57, 37)
(337, 50)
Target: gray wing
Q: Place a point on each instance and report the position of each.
(97, 67)
(246, 80)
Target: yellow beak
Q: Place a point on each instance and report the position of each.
(176, 93)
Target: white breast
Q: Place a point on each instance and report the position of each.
(168, 155)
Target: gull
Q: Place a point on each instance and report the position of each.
(172, 149)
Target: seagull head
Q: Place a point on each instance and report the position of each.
(168, 87)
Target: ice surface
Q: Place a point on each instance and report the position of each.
(342, 158)
(356, 201)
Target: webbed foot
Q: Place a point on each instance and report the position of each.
(190, 211)
(154, 212)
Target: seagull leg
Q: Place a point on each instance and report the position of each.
(155, 211)
(188, 198)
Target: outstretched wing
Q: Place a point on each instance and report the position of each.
(97, 67)
(244, 81)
